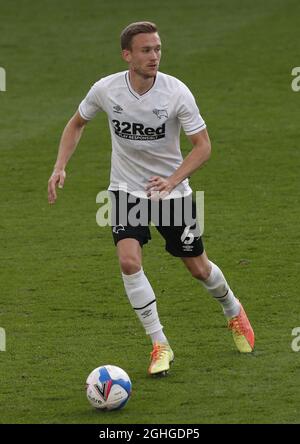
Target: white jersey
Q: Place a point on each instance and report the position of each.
(145, 129)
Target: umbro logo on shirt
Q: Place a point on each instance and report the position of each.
(117, 109)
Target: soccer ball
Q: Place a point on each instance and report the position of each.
(108, 387)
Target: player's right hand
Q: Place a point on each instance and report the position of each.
(57, 178)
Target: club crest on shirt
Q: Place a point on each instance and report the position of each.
(160, 113)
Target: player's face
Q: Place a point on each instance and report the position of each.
(144, 56)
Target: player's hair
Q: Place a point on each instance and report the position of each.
(133, 29)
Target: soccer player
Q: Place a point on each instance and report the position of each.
(146, 109)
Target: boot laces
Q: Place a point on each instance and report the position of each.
(158, 351)
(237, 325)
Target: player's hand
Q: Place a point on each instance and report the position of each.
(57, 178)
(158, 187)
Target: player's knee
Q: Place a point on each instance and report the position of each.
(201, 273)
(130, 264)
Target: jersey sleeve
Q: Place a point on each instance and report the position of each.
(91, 104)
(188, 113)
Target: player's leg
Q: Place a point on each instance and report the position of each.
(138, 288)
(129, 238)
(184, 241)
(215, 283)
(143, 301)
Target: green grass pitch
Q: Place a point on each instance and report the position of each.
(62, 302)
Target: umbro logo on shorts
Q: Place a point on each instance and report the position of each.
(137, 131)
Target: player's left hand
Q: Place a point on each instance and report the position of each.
(158, 187)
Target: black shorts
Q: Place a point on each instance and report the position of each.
(175, 219)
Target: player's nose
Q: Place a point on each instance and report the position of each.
(154, 55)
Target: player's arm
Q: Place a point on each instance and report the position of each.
(199, 154)
(68, 143)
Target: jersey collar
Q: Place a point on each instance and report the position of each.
(133, 92)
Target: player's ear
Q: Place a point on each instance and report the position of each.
(126, 55)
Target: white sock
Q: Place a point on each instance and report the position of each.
(218, 287)
(143, 301)
(159, 336)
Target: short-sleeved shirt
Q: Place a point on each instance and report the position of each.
(145, 129)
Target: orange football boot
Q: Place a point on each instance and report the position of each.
(242, 332)
(161, 358)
